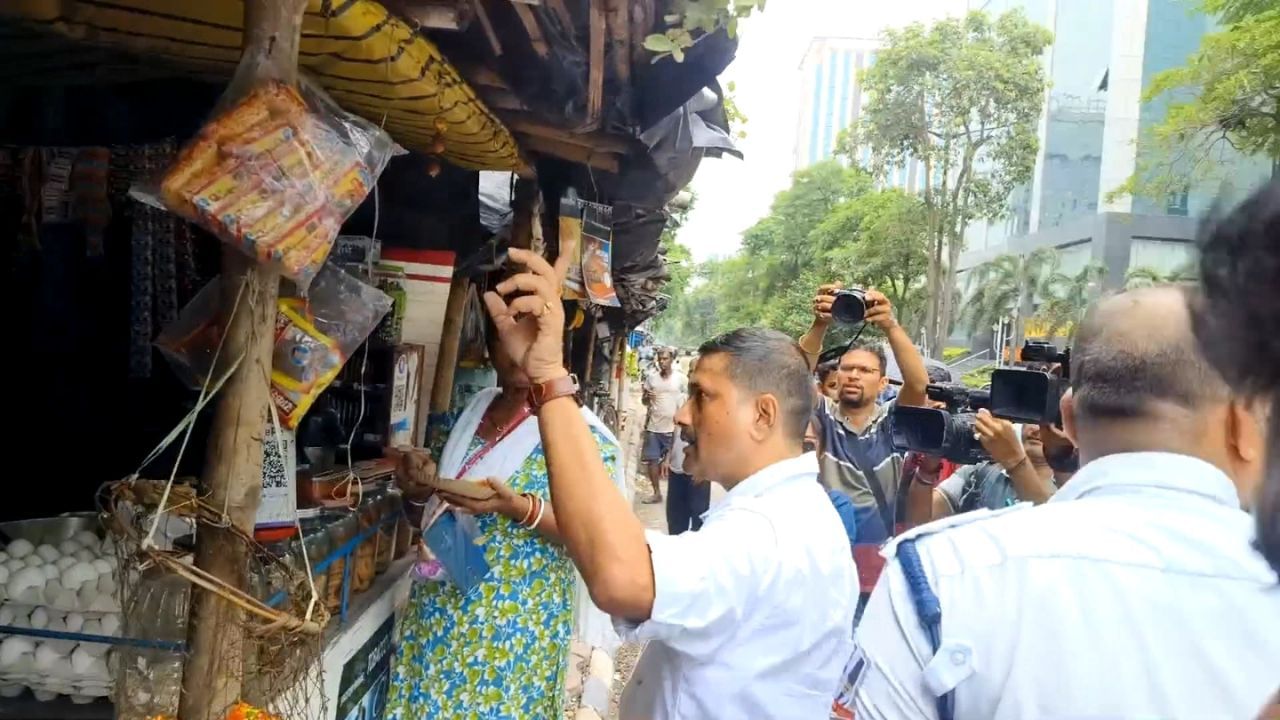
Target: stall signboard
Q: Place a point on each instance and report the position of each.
(366, 677)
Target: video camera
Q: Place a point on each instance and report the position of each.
(1032, 396)
(945, 433)
(1016, 394)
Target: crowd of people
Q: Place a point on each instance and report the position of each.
(1117, 561)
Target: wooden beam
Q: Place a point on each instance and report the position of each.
(619, 23)
(595, 65)
(500, 99)
(455, 311)
(596, 141)
(562, 13)
(530, 22)
(482, 75)
(642, 17)
(487, 25)
(573, 153)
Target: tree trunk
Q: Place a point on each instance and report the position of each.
(215, 664)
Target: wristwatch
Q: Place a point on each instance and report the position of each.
(542, 393)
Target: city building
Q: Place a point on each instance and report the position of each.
(1093, 136)
(832, 99)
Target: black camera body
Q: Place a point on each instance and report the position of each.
(1032, 396)
(937, 432)
(849, 306)
(944, 433)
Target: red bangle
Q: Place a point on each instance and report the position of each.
(533, 506)
(936, 477)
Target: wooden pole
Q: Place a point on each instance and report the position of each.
(588, 384)
(216, 653)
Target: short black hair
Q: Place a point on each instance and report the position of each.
(1122, 369)
(826, 368)
(767, 361)
(1237, 321)
(871, 346)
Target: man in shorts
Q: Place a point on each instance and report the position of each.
(663, 389)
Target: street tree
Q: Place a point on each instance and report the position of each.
(962, 97)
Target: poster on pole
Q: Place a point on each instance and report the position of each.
(366, 677)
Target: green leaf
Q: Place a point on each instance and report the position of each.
(659, 43)
(678, 54)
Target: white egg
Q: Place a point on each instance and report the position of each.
(108, 546)
(48, 553)
(45, 695)
(58, 624)
(106, 585)
(27, 586)
(11, 691)
(12, 650)
(6, 615)
(3, 556)
(82, 699)
(69, 547)
(110, 624)
(20, 548)
(100, 602)
(46, 657)
(79, 574)
(102, 566)
(75, 622)
(51, 572)
(81, 661)
(14, 564)
(65, 562)
(22, 618)
(87, 539)
(39, 618)
(84, 555)
(33, 560)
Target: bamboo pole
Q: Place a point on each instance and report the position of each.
(455, 310)
(216, 657)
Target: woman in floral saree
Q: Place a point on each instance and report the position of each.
(500, 650)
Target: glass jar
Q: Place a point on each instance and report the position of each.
(343, 525)
(386, 530)
(315, 541)
(366, 565)
(403, 533)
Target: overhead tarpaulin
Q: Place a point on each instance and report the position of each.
(369, 60)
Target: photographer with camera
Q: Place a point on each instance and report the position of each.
(1145, 558)
(1020, 470)
(855, 440)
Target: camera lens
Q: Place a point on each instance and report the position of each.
(849, 307)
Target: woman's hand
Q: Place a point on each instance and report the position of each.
(531, 326)
(503, 501)
(415, 471)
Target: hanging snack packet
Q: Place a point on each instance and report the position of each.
(597, 254)
(571, 243)
(275, 174)
(315, 336)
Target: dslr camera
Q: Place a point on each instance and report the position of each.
(1032, 396)
(946, 433)
(849, 306)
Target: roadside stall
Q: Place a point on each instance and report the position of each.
(237, 238)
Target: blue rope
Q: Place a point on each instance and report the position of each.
(928, 610)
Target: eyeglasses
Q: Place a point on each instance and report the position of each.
(859, 370)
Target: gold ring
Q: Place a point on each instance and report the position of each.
(546, 307)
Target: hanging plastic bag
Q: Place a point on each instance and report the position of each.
(473, 350)
(315, 336)
(597, 254)
(275, 171)
(571, 244)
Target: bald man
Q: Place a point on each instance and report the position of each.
(1133, 592)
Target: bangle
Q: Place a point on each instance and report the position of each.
(533, 505)
(542, 508)
(1018, 464)
(928, 479)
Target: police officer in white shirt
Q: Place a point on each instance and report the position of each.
(1134, 592)
(749, 618)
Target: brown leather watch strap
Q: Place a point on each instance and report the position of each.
(542, 393)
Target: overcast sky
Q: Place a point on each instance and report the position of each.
(733, 194)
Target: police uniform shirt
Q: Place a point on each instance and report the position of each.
(1134, 592)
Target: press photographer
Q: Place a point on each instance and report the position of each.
(855, 440)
